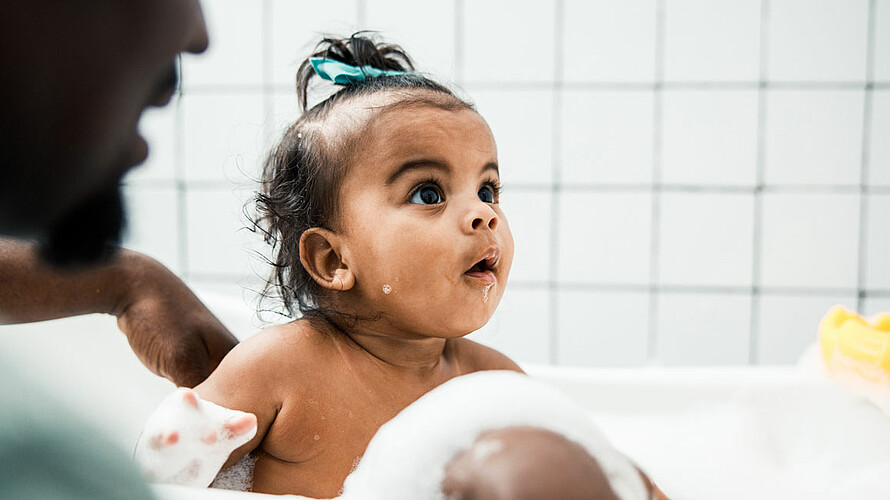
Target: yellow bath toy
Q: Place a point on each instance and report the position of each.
(856, 352)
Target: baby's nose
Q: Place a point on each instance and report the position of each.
(480, 218)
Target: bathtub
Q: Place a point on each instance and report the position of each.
(778, 432)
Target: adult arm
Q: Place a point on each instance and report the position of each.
(169, 329)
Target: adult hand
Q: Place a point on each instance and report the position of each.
(169, 329)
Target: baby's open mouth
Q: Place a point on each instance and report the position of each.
(483, 268)
(480, 266)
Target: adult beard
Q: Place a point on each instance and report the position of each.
(87, 234)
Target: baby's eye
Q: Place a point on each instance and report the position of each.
(426, 195)
(486, 194)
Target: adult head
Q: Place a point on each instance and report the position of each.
(76, 76)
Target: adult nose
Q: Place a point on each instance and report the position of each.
(197, 37)
(480, 216)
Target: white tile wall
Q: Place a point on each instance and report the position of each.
(223, 137)
(788, 324)
(497, 46)
(158, 126)
(879, 145)
(875, 305)
(520, 327)
(153, 223)
(881, 55)
(282, 112)
(604, 238)
(809, 240)
(706, 239)
(235, 53)
(525, 154)
(877, 242)
(605, 41)
(817, 40)
(425, 29)
(700, 329)
(296, 27)
(528, 214)
(602, 328)
(814, 137)
(606, 137)
(717, 40)
(218, 241)
(610, 116)
(709, 137)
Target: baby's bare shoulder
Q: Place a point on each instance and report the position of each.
(473, 356)
(277, 351)
(273, 363)
(296, 342)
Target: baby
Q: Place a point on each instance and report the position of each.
(381, 203)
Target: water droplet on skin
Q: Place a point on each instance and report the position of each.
(485, 291)
(387, 289)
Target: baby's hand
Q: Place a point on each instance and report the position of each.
(187, 440)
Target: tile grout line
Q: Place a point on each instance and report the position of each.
(586, 188)
(268, 128)
(556, 175)
(757, 236)
(179, 175)
(652, 344)
(458, 42)
(864, 198)
(253, 88)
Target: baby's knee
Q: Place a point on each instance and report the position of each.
(526, 463)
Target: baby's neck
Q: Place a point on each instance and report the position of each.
(422, 356)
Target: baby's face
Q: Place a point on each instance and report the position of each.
(425, 236)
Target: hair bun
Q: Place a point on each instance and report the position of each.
(360, 49)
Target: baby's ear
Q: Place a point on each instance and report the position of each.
(320, 256)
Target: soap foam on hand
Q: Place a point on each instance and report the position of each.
(187, 440)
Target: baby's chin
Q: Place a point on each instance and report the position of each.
(465, 327)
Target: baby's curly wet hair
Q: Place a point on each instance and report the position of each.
(302, 175)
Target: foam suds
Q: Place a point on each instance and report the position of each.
(407, 458)
(387, 289)
(202, 445)
(238, 477)
(486, 448)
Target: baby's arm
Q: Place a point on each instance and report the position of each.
(195, 434)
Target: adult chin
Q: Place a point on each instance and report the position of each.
(88, 233)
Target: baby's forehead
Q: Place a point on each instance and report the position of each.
(361, 110)
(401, 121)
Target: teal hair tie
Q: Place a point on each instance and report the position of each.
(344, 74)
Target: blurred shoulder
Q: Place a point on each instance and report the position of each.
(473, 356)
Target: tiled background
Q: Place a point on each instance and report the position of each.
(688, 181)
